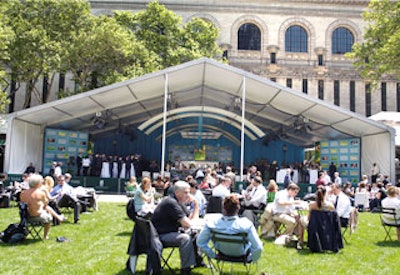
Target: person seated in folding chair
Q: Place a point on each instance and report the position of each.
(144, 198)
(66, 197)
(254, 200)
(392, 201)
(230, 223)
(223, 189)
(320, 204)
(36, 200)
(342, 204)
(170, 215)
(284, 210)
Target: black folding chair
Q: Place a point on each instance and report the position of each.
(214, 205)
(389, 219)
(34, 228)
(232, 245)
(145, 240)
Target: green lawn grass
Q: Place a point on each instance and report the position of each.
(100, 240)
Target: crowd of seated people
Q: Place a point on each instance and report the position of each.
(58, 193)
(183, 203)
(44, 199)
(284, 210)
(374, 192)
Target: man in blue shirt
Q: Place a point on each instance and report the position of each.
(230, 223)
(65, 196)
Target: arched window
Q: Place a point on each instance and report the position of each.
(342, 41)
(249, 37)
(296, 39)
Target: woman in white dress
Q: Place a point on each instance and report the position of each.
(105, 169)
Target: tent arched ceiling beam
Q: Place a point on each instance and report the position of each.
(189, 127)
(220, 114)
(204, 115)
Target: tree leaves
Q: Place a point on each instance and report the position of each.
(53, 36)
(379, 55)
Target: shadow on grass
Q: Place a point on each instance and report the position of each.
(125, 272)
(124, 234)
(388, 243)
(143, 272)
(306, 252)
(23, 243)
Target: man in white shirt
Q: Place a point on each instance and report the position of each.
(337, 179)
(58, 170)
(342, 204)
(223, 189)
(85, 165)
(284, 210)
(255, 195)
(254, 198)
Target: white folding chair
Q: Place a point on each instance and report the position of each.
(361, 201)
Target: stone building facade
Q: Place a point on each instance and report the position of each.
(297, 43)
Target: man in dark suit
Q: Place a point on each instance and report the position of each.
(78, 164)
(128, 163)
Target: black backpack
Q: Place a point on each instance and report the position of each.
(14, 233)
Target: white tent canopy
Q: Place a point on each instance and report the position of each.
(198, 87)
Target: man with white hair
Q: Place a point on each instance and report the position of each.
(171, 214)
(229, 173)
(36, 200)
(223, 189)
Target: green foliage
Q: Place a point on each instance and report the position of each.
(379, 55)
(109, 51)
(5, 37)
(42, 31)
(201, 36)
(53, 36)
(100, 241)
(163, 34)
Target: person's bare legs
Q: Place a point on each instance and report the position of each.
(60, 218)
(300, 232)
(300, 229)
(46, 230)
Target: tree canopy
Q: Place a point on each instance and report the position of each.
(48, 37)
(5, 37)
(379, 54)
(163, 33)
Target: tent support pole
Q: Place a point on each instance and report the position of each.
(242, 130)
(164, 125)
